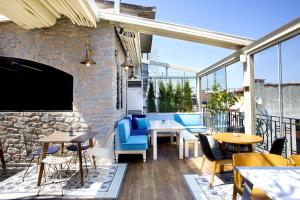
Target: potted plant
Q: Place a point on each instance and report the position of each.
(219, 103)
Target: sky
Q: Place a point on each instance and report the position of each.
(248, 18)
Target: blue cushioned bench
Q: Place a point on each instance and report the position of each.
(191, 121)
(126, 143)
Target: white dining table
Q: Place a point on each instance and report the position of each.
(279, 183)
(166, 126)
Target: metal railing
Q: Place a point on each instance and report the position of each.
(268, 127)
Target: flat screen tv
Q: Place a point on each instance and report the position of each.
(27, 86)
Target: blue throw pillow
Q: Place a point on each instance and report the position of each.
(142, 123)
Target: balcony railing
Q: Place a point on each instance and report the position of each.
(267, 127)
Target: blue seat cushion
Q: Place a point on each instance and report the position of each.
(143, 123)
(139, 132)
(74, 147)
(123, 130)
(134, 121)
(51, 150)
(188, 119)
(135, 142)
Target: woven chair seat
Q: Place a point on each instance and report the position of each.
(56, 160)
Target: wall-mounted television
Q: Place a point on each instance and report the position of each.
(27, 86)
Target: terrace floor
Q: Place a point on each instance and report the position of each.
(162, 178)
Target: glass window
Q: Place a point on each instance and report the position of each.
(235, 76)
(221, 77)
(290, 53)
(266, 83)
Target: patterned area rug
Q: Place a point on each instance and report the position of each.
(199, 186)
(103, 182)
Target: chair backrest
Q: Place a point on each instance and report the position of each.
(277, 146)
(206, 149)
(294, 160)
(255, 160)
(123, 130)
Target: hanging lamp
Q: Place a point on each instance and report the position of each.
(88, 55)
(127, 64)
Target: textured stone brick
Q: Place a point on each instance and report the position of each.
(94, 89)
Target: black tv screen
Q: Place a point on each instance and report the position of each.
(30, 86)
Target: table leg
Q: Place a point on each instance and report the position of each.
(152, 137)
(91, 144)
(222, 146)
(250, 148)
(154, 143)
(238, 148)
(180, 145)
(80, 163)
(62, 145)
(42, 165)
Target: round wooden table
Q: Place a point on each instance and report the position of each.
(244, 139)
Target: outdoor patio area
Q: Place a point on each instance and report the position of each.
(131, 100)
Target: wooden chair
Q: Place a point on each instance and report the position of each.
(2, 156)
(254, 159)
(294, 160)
(215, 155)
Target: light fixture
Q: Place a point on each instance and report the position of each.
(88, 55)
(127, 64)
(132, 75)
(243, 58)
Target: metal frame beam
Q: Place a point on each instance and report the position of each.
(154, 27)
(283, 33)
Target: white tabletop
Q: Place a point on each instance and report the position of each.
(277, 182)
(165, 125)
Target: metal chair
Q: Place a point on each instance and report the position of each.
(57, 164)
(36, 153)
(277, 146)
(215, 155)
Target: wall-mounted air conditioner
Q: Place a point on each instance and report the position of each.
(135, 96)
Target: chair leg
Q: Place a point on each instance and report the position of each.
(213, 174)
(27, 168)
(144, 157)
(202, 163)
(186, 149)
(234, 194)
(84, 157)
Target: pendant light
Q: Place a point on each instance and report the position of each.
(127, 64)
(88, 55)
(132, 75)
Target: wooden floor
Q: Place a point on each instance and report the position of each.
(162, 178)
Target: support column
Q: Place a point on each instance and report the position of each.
(198, 88)
(249, 102)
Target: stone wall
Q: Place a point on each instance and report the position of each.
(20, 130)
(63, 46)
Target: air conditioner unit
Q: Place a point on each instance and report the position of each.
(134, 97)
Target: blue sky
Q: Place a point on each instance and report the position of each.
(248, 18)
